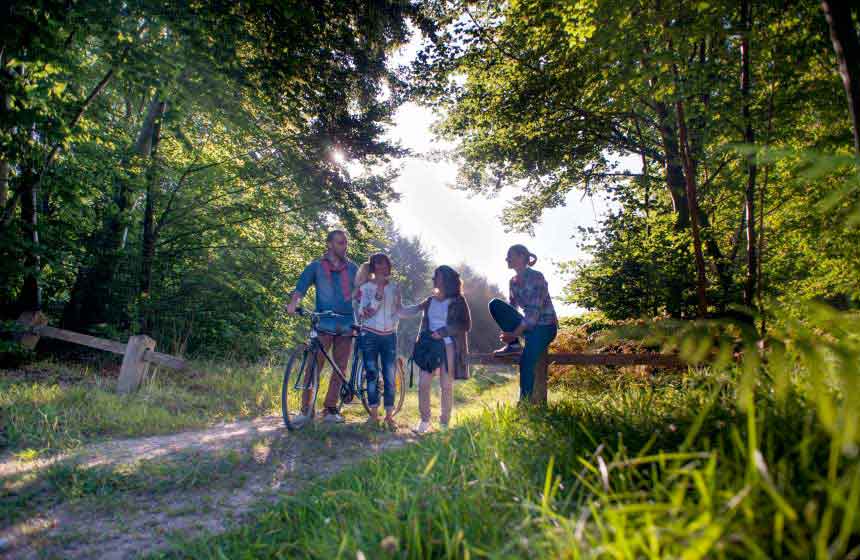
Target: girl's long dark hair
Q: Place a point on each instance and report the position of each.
(452, 286)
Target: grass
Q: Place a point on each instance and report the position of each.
(50, 407)
(107, 487)
(673, 469)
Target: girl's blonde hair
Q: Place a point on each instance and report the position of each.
(361, 277)
(366, 270)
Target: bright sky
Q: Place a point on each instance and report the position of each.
(458, 228)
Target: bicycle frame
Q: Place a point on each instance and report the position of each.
(315, 347)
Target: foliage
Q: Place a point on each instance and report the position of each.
(170, 170)
(12, 353)
(641, 102)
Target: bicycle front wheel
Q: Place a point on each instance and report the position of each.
(300, 386)
(399, 389)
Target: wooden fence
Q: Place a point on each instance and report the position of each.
(539, 394)
(137, 354)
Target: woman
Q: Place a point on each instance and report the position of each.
(538, 324)
(447, 318)
(378, 310)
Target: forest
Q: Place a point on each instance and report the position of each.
(169, 168)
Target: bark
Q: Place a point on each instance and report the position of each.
(30, 298)
(149, 230)
(90, 299)
(673, 167)
(4, 182)
(847, 48)
(749, 137)
(692, 201)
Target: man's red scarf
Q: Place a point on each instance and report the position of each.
(329, 267)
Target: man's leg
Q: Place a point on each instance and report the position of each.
(341, 349)
(325, 342)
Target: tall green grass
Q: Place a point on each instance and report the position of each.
(749, 459)
(64, 407)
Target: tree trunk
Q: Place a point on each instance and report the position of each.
(30, 298)
(847, 48)
(4, 182)
(749, 138)
(673, 167)
(692, 201)
(149, 230)
(91, 298)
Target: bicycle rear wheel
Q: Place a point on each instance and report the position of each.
(300, 386)
(399, 388)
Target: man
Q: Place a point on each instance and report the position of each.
(333, 275)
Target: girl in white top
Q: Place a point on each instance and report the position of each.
(378, 312)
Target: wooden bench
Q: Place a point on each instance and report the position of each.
(137, 354)
(539, 395)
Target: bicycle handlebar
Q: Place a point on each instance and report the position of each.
(301, 312)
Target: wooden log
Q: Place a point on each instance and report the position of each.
(539, 389)
(83, 339)
(134, 367)
(165, 360)
(32, 320)
(36, 322)
(580, 359)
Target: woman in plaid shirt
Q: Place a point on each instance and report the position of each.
(538, 323)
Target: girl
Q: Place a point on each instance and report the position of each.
(538, 325)
(447, 318)
(378, 308)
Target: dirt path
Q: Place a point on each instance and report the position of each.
(204, 482)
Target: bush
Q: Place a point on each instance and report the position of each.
(12, 353)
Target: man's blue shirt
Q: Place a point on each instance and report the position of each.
(330, 294)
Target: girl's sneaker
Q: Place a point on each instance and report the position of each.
(512, 349)
(422, 428)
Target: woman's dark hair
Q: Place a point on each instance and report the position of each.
(451, 284)
(521, 250)
(375, 260)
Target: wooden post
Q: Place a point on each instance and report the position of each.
(31, 320)
(539, 392)
(134, 367)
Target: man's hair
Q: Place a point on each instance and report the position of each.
(334, 233)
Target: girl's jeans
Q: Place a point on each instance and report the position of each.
(537, 341)
(376, 348)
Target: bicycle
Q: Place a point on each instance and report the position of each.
(303, 366)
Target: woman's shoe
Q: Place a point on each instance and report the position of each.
(390, 424)
(422, 428)
(512, 349)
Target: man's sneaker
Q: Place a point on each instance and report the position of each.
(422, 428)
(511, 349)
(333, 417)
(300, 420)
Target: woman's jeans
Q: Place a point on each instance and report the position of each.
(538, 340)
(376, 348)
